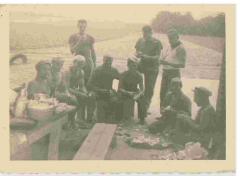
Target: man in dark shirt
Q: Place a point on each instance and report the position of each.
(83, 44)
(148, 49)
(101, 83)
(131, 89)
(175, 103)
(203, 128)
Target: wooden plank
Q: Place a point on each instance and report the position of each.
(90, 142)
(105, 141)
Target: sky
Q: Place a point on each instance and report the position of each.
(125, 13)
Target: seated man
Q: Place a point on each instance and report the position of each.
(175, 103)
(204, 126)
(131, 89)
(101, 83)
(40, 85)
(59, 83)
(56, 74)
(74, 84)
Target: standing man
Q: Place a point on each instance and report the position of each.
(83, 44)
(172, 63)
(148, 49)
(101, 83)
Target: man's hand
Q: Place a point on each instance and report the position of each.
(164, 62)
(139, 54)
(184, 117)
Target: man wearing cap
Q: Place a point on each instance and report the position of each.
(131, 89)
(172, 63)
(148, 49)
(40, 85)
(204, 125)
(175, 103)
(101, 83)
(83, 44)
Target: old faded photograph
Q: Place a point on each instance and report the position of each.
(116, 82)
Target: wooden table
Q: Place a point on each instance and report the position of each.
(51, 127)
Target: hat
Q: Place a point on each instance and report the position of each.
(41, 63)
(202, 91)
(133, 59)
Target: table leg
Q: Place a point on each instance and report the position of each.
(53, 147)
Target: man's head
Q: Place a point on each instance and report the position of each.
(147, 32)
(132, 63)
(43, 69)
(173, 36)
(201, 96)
(78, 61)
(175, 85)
(82, 24)
(107, 61)
(57, 64)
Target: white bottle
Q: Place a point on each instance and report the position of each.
(21, 103)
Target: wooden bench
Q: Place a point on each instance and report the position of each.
(96, 144)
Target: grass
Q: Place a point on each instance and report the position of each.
(34, 35)
(39, 42)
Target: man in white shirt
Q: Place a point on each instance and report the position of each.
(172, 63)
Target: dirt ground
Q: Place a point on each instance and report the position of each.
(202, 69)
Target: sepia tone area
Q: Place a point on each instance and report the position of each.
(37, 36)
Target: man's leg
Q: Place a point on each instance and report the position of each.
(91, 106)
(164, 87)
(71, 119)
(100, 111)
(142, 112)
(149, 81)
(157, 126)
(81, 112)
(128, 109)
(119, 109)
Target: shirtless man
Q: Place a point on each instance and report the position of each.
(40, 85)
(77, 87)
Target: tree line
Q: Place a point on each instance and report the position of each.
(186, 24)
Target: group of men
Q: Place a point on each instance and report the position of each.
(89, 88)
